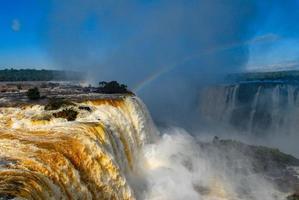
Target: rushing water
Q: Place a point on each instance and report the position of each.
(113, 151)
(89, 158)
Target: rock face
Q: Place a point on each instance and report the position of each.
(278, 168)
(293, 197)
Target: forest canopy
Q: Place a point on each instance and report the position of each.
(38, 75)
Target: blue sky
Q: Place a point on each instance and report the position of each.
(279, 18)
(21, 29)
(23, 38)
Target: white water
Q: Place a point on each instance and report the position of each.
(116, 152)
(178, 168)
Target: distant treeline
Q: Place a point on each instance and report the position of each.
(38, 75)
(266, 76)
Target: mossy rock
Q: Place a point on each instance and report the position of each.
(293, 197)
(85, 108)
(69, 114)
(55, 104)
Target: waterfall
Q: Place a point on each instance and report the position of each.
(230, 102)
(113, 151)
(252, 107)
(89, 158)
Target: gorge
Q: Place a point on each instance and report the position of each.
(112, 150)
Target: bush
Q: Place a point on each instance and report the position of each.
(19, 86)
(68, 114)
(55, 104)
(33, 94)
(112, 87)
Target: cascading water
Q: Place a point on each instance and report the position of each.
(254, 108)
(90, 158)
(113, 151)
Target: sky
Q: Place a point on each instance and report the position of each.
(279, 19)
(164, 50)
(21, 43)
(23, 40)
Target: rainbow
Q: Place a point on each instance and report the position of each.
(163, 70)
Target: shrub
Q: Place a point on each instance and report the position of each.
(33, 94)
(68, 114)
(55, 104)
(112, 87)
(19, 86)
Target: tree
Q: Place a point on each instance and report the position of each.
(33, 94)
(112, 87)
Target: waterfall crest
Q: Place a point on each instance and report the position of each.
(89, 158)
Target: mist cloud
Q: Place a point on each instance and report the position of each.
(129, 41)
(179, 168)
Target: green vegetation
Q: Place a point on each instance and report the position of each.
(113, 87)
(33, 94)
(275, 155)
(292, 75)
(38, 75)
(68, 114)
(56, 103)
